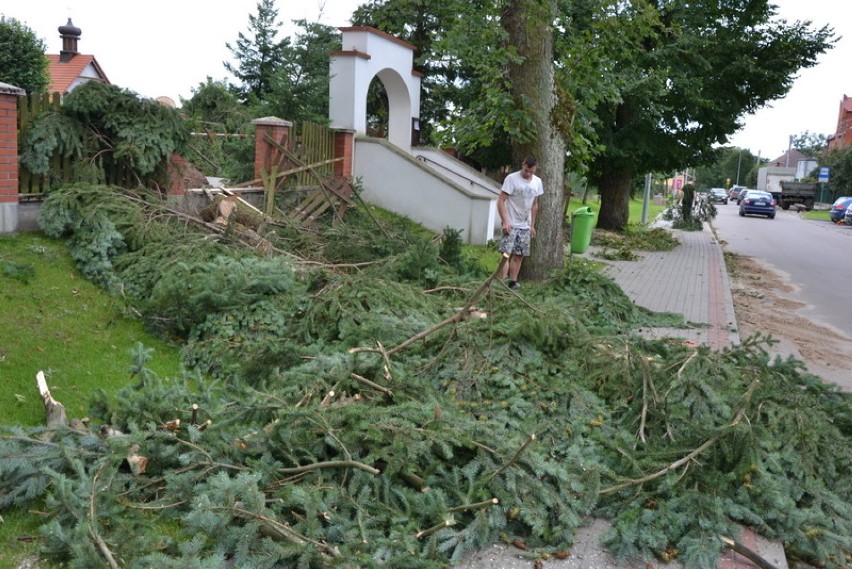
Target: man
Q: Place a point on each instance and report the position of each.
(518, 208)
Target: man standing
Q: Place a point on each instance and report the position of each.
(518, 208)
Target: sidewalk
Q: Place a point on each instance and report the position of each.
(691, 280)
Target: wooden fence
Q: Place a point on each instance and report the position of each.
(311, 143)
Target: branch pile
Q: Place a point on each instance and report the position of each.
(329, 420)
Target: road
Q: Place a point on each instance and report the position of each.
(810, 255)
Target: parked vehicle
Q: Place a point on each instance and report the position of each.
(718, 195)
(735, 191)
(795, 193)
(838, 208)
(847, 217)
(758, 203)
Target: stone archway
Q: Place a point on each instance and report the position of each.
(367, 54)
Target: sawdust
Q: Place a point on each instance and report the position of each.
(763, 304)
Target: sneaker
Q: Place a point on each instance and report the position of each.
(514, 285)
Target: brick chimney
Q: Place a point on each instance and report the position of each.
(70, 35)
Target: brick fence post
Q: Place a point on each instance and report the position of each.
(9, 157)
(266, 155)
(344, 147)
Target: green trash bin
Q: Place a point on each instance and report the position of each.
(582, 223)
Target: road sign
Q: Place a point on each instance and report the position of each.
(823, 174)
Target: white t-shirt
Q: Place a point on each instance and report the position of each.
(521, 193)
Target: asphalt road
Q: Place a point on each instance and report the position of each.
(812, 255)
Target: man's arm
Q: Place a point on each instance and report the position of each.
(533, 215)
(501, 209)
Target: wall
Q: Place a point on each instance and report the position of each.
(421, 194)
(9, 157)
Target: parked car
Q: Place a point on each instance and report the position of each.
(838, 208)
(755, 202)
(847, 217)
(718, 195)
(742, 194)
(735, 191)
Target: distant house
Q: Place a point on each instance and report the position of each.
(70, 68)
(842, 137)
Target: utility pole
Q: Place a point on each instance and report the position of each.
(739, 160)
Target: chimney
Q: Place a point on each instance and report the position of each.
(70, 35)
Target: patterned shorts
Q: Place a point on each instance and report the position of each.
(517, 242)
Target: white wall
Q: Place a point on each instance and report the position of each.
(396, 181)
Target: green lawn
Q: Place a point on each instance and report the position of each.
(56, 321)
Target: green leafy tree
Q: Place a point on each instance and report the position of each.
(734, 166)
(702, 67)
(810, 143)
(22, 60)
(840, 165)
(258, 54)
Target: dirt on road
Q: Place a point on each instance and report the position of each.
(763, 303)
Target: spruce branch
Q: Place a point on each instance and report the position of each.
(283, 531)
(685, 459)
(460, 314)
(102, 546)
(475, 506)
(436, 528)
(330, 464)
(514, 458)
(747, 553)
(375, 386)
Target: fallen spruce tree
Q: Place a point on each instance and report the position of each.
(367, 396)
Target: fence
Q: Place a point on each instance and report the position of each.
(311, 144)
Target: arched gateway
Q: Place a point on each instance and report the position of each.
(425, 184)
(367, 54)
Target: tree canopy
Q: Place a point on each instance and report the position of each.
(22, 60)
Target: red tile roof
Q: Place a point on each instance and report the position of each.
(64, 73)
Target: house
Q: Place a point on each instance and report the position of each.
(70, 68)
(842, 137)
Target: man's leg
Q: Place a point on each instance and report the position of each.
(515, 267)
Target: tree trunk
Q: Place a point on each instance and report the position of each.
(615, 200)
(528, 24)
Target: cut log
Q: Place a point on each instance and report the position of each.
(53, 409)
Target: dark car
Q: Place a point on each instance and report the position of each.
(755, 202)
(742, 194)
(838, 208)
(718, 195)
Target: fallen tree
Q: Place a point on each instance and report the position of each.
(341, 406)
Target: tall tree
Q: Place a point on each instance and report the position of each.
(259, 54)
(702, 67)
(301, 80)
(22, 60)
(528, 27)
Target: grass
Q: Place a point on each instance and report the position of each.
(488, 257)
(56, 321)
(817, 215)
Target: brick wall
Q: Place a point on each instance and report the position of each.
(8, 148)
(9, 157)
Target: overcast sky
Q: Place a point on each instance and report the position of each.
(167, 48)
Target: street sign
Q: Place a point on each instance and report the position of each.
(823, 174)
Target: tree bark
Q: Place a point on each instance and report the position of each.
(528, 24)
(615, 199)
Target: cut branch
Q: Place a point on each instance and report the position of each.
(330, 464)
(747, 553)
(375, 386)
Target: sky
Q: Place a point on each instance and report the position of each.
(167, 48)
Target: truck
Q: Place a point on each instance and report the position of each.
(790, 193)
